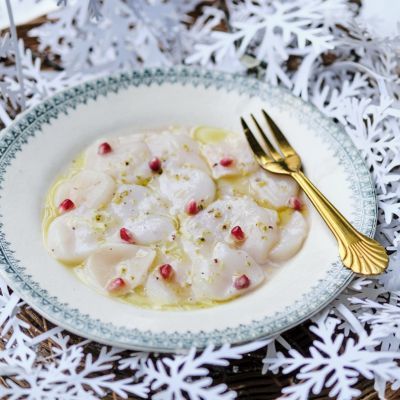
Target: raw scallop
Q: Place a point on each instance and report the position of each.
(214, 278)
(148, 229)
(132, 200)
(182, 185)
(177, 150)
(273, 189)
(292, 236)
(127, 162)
(91, 189)
(159, 290)
(235, 148)
(73, 236)
(126, 261)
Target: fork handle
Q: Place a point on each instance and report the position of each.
(358, 252)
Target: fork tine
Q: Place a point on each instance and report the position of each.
(255, 146)
(284, 145)
(275, 155)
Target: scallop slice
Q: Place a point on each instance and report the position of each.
(92, 189)
(132, 200)
(177, 287)
(176, 149)
(236, 149)
(214, 224)
(273, 189)
(181, 185)
(73, 236)
(148, 229)
(173, 253)
(160, 291)
(127, 162)
(292, 236)
(126, 261)
(215, 279)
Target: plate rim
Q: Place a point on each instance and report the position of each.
(16, 135)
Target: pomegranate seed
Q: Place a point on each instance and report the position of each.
(226, 161)
(116, 285)
(238, 233)
(126, 235)
(295, 203)
(192, 208)
(242, 282)
(166, 271)
(155, 164)
(66, 205)
(104, 148)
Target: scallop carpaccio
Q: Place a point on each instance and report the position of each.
(173, 218)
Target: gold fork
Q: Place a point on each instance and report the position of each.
(358, 252)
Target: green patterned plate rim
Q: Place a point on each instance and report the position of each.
(29, 124)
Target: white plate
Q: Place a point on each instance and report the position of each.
(42, 142)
